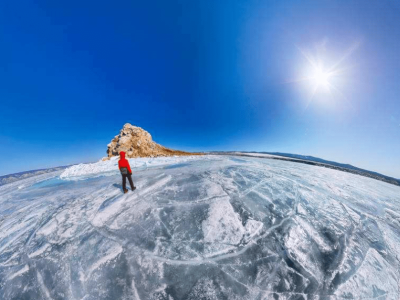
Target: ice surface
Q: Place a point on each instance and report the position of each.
(215, 227)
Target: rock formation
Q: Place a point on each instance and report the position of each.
(137, 142)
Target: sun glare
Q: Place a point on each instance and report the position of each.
(320, 77)
(322, 74)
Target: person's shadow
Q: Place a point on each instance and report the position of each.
(118, 186)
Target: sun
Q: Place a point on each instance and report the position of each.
(324, 79)
(320, 77)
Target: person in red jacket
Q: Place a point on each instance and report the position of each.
(126, 171)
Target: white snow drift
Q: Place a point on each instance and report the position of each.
(110, 167)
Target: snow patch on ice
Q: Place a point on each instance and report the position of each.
(40, 251)
(20, 272)
(108, 257)
(224, 226)
(375, 278)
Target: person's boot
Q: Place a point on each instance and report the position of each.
(134, 188)
(125, 191)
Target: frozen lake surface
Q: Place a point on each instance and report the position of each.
(216, 227)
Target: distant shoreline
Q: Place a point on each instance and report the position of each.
(355, 170)
(10, 178)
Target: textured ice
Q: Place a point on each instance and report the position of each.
(216, 227)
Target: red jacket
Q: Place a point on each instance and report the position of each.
(123, 163)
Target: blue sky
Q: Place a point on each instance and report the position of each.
(200, 75)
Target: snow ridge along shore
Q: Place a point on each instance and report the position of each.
(110, 167)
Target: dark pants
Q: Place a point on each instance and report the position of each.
(124, 181)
